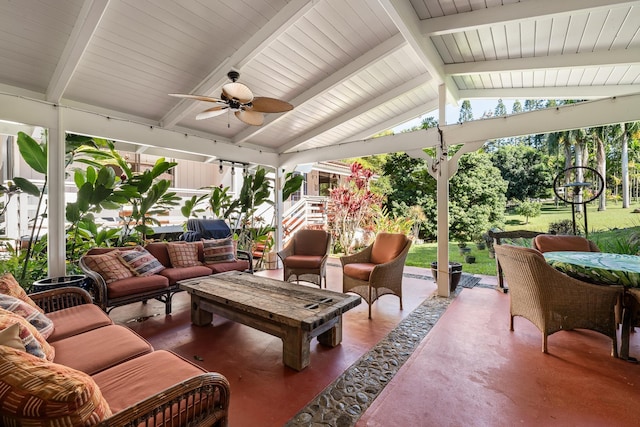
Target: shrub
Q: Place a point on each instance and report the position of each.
(561, 227)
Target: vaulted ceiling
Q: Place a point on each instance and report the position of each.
(351, 68)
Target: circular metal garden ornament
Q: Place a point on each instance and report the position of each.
(578, 185)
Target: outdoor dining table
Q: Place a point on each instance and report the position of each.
(604, 268)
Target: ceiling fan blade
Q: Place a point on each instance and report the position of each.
(270, 105)
(212, 112)
(198, 97)
(237, 91)
(253, 118)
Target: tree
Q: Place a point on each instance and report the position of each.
(526, 171)
(529, 209)
(466, 115)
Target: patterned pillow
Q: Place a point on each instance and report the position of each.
(42, 323)
(109, 265)
(40, 393)
(10, 286)
(11, 337)
(31, 338)
(183, 254)
(219, 250)
(141, 262)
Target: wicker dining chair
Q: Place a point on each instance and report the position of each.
(377, 269)
(553, 301)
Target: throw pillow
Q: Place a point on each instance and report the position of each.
(42, 323)
(40, 393)
(219, 250)
(31, 338)
(183, 254)
(141, 262)
(108, 265)
(10, 286)
(11, 337)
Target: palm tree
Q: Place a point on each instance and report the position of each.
(629, 130)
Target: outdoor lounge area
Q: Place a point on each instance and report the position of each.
(452, 362)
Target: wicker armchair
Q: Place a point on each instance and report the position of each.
(553, 301)
(377, 269)
(305, 256)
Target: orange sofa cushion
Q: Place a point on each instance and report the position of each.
(386, 247)
(304, 261)
(100, 348)
(75, 320)
(136, 379)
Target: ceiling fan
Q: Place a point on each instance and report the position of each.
(238, 98)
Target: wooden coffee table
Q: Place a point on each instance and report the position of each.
(294, 313)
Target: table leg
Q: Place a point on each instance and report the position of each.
(199, 317)
(296, 348)
(630, 307)
(333, 336)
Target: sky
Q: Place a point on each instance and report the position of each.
(478, 107)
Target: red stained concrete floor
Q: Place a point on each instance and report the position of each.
(470, 370)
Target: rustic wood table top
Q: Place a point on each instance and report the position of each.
(286, 303)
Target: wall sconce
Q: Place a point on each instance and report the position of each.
(220, 168)
(233, 170)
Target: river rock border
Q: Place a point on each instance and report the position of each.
(344, 401)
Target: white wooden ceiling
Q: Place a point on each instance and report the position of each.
(351, 68)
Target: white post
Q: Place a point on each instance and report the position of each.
(443, 201)
(56, 244)
(278, 209)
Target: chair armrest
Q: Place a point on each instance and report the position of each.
(210, 391)
(59, 298)
(362, 256)
(246, 255)
(287, 251)
(99, 285)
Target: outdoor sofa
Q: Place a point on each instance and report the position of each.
(124, 275)
(89, 371)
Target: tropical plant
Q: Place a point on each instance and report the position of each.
(349, 207)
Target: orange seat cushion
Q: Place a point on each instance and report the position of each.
(360, 271)
(387, 247)
(76, 320)
(136, 285)
(304, 261)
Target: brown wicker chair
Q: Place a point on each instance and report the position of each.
(377, 269)
(553, 301)
(563, 242)
(305, 256)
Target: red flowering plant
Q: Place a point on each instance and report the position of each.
(350, 207)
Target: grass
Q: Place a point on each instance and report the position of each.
(609, 229)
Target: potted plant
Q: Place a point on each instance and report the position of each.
(470, 259)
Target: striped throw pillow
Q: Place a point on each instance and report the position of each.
(33, 342)
(141, 262)
(219, 250)
(42, 323)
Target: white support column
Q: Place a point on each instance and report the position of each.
(443, 201)
(278, 208)
(56, 250)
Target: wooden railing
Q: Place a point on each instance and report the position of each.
(309, 212)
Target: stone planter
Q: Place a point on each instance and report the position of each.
(470, 259)
(271, 260)
(455, 273)
(464, 251)
(59, 282)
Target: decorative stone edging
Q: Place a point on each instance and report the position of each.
(344, 401)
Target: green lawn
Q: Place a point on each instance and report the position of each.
(610, 229)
